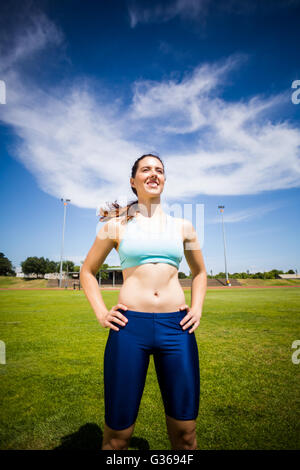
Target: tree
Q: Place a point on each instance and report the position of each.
(181, 275)
(68, 266)
(34, 265)
(104, 274)
(52, 267)
(243, 275)
(275, 273)
(6, 268)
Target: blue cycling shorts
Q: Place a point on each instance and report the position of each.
(126, 360)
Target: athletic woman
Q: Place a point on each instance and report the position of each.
(151, 316)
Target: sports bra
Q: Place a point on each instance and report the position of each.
(141, 246)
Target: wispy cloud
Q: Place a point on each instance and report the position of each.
(82, 146)
(176, 53)
(165, 11)
(246, 214)
(161, 11)
(38, 34)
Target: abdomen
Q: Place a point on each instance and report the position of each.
(152, 288)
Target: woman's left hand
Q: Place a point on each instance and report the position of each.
(192, 318)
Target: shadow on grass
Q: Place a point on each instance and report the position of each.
(89, 437)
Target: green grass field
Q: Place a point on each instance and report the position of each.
(13, 282)
(52, 383)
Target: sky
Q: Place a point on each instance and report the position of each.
(210, 86)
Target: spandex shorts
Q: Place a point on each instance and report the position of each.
(126, 360)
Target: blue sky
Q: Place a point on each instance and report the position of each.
(91, 86)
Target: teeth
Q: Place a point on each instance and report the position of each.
(152, 183)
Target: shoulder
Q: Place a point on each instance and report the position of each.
(184, 226)
(115, 222)
(112, 228)
(187, 224)
(188, 231)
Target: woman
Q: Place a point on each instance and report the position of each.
(151, 316)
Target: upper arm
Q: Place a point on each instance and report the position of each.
(105, 241)
(192, 249)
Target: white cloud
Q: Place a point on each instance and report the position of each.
(165, 11)
(81, 146)
(245, 214)
(197, 10)
(36, 36)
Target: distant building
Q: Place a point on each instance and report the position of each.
(114, 276)
(289, 276)
(53, 275)
(19, 272)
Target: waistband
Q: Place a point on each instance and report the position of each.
(135, 313)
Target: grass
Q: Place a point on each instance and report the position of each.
(269, 282)
(52, 383)
(20, 282)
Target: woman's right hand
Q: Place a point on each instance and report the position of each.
(114, 315)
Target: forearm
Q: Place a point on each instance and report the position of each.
(91, 289)
(198, 290)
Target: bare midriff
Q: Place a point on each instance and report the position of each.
(151, 287)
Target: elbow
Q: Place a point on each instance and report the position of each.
(199, 272)
(81, 276)
(84, 273)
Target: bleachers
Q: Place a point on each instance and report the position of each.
(183, 282)
(68, 282)
(222, 282)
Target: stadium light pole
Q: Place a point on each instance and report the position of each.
(63, 236)
(226, 274)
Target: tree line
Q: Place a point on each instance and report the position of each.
(41, 266)
(273, 274)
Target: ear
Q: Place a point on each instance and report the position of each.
(132, 182)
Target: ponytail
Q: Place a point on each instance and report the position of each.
(115, 210)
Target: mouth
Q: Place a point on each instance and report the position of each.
(152, 184)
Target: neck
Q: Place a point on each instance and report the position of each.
(150, 208)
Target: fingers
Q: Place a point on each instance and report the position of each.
(186, 318)
(193, 322)
(183, 307)
(123, 307)
(195, 326)
(113, 327)
(117, 317)
(188, 321)
(119, 314)
(188, 324)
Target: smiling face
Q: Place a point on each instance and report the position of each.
(150, 177)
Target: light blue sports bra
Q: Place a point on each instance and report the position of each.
(141, 246)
